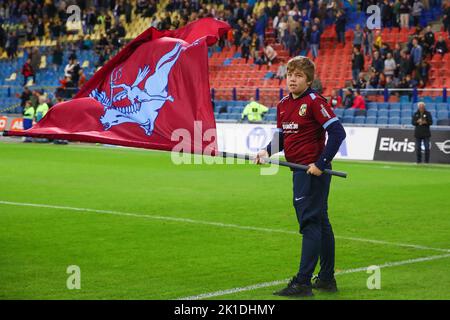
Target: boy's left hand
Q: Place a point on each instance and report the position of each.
(314, 170)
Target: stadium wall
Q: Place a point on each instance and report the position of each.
(362, 143)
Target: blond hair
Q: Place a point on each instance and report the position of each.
(303, 64)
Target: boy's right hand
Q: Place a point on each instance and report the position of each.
(261, 154)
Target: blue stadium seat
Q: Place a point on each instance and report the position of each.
(371, 120)
(434, 114)
(442, 106)
(222, 116)
(442, 115)
(426, 99)
(234, 116)
(236, 110)
(372, 113)
(394, 106)
(438, 99)
(394, 113)
(431, 108)
(405, 106)
(405, 120)
(383, 106)
(270, 117)
(394, 120)
(339, 112)
(349, 112)
(272, 110)
(406, 114)
(404, 99)
(383, 113)
(348, 119)
(372, 105)
(360, 119)
(382, 120)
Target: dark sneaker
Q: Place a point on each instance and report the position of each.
(328, 286)
(295, 289)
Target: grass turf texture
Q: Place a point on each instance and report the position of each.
(129, 257)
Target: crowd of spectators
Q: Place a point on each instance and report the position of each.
(297, 25)
(405, 66)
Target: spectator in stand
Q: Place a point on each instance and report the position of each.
(358, 37)
(35, 59)
(373, 82)
(377, 62)
(378, 40)
(428, 41)
(11, 45)
(424, 69)
(57, 56)
(25, 96)
(335, 99)
(260, 27)
(397, 55)
(281, 72)
(416, 54)
(340, 23)
(68, 68)
(261, 60)
(230, 38)
(390, 84)
(90, 20)
(75, 72)
(416, 11)
(270, 54)
(315, 41)
(348, 98)
(292, 43)
(254, 46)
(396, 14)
(446, 17)
(441, 46)
(386, 14)
(405, 66)
(404, 11)
(368, 41)
(28, 72)
(245, 46)
(385, 49)
(357, 63)
(358, 101)
(361, 83)
(389, 65)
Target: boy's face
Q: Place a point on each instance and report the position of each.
(297, 82)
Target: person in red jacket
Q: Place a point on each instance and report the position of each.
(335, 99)
(358, 102)
(27, 71)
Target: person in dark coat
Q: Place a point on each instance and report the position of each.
(422, 120)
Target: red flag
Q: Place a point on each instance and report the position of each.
(155, 85)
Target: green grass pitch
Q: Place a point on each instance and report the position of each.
(161, 231)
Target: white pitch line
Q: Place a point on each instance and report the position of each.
(278, 282)
(211, 223)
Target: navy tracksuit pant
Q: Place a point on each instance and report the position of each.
(311, 206)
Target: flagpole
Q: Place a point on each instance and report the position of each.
(280, 163)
